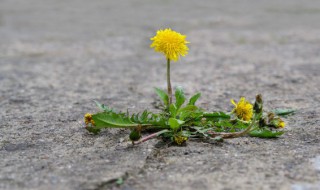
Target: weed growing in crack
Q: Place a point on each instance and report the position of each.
(180, 119)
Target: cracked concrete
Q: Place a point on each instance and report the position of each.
(58, 56)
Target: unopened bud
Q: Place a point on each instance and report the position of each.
(258, 105)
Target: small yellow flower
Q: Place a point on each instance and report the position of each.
(281, 124)
(278, 123)
(275, 121)
(179, 139)
(171, 43)
(88, 119)
(243, 109)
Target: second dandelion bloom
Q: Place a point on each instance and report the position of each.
(243, 109)
(171, 43)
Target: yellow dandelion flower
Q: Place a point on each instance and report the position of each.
(88, 119)
(281, 124)
(171, 43)
(243, 109)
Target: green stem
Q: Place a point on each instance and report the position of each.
(169, 82)
(215, 114)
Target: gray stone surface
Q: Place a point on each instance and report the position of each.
(58, 56)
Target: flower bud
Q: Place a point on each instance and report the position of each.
(258, 105)
(135, 135)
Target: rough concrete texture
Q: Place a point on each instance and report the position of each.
(58, 56)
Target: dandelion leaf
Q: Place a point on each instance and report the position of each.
(162, 95)
(194, 99)
(265, 133)
(112, 120)
(180, 97)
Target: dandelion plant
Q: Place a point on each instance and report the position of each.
(180, 119)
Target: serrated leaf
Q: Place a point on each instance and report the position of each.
(148, 118)
(224, 123)
(136, 117)
(175, 123)
(282, 112)
(163, 96)
(241, 125)
(102, 107)
(180, 97)
(158, 121)
(202, 131)
(265, 133)
(194, 99)
(144, 116)
(112, 120)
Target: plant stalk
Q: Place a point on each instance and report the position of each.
(169, 82)
(150, 136)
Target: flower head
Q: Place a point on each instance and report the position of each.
(171, 43)
(276, 122)
(281, 124)
(88, 119)
(243, 109)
